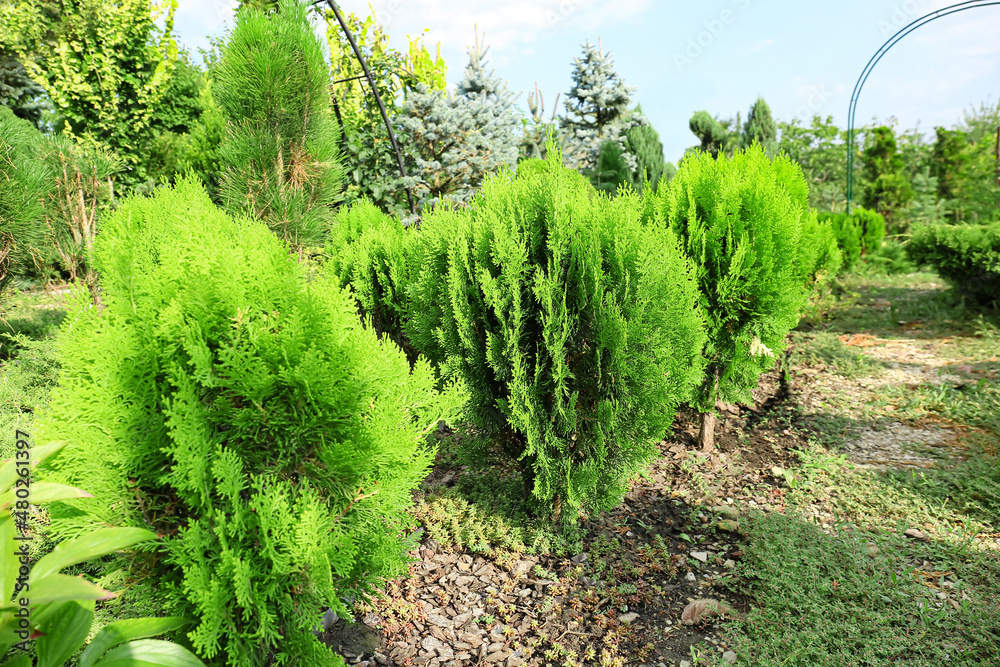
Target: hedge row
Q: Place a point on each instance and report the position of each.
(967, 256)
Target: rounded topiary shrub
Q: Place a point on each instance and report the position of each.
(575, 328)
(967, 256)
(240, 409)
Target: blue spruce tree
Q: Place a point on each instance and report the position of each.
(456, 141)
(597, 111)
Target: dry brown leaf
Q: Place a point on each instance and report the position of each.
(699, 610)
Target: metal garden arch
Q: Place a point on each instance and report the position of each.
(374, 88)
(903, 32)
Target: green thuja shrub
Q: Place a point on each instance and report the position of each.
(822, 257)
(372, 253)
(871, 226)
(860, 233)
(740, 222)
(967, 256)
(575, 328)
(224, 399)
(818, 256)
(279, 153)
(25, 181)
(848, 236)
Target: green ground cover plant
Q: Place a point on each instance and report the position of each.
(848, 596)
(240, 410)
(574, 326)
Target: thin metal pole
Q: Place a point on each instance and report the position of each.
(340, 120)
(998, 156)
(903, 32)
(378, 98)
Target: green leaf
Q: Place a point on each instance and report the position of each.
(125, 630)
(9, 562)
(8, 471)
(19, 660)
(685, 537)
(62, 587)
(44, 492)
(65, 632)
(150, 653)
(88, 547)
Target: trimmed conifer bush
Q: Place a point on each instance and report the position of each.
(739, 219)
(224, 400)
(575, 328)
(967, 256)
(818, 256)
(279, 153)
(372, 253)
(860, 233)
(24, 184)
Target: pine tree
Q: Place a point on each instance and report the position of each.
(760, 127)
(280, 149)
(25, 182)
(597, 110)
(455, 142)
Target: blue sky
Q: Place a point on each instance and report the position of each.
(802, 56)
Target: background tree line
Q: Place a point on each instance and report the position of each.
(135, 110)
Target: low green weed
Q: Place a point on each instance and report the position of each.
(825, 350)
(484, 515)
(848, 597)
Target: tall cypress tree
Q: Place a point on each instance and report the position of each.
(760, 127)
(887, 188)
(280, 150)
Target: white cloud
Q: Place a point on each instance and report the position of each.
(505, 23)
(757, 47)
